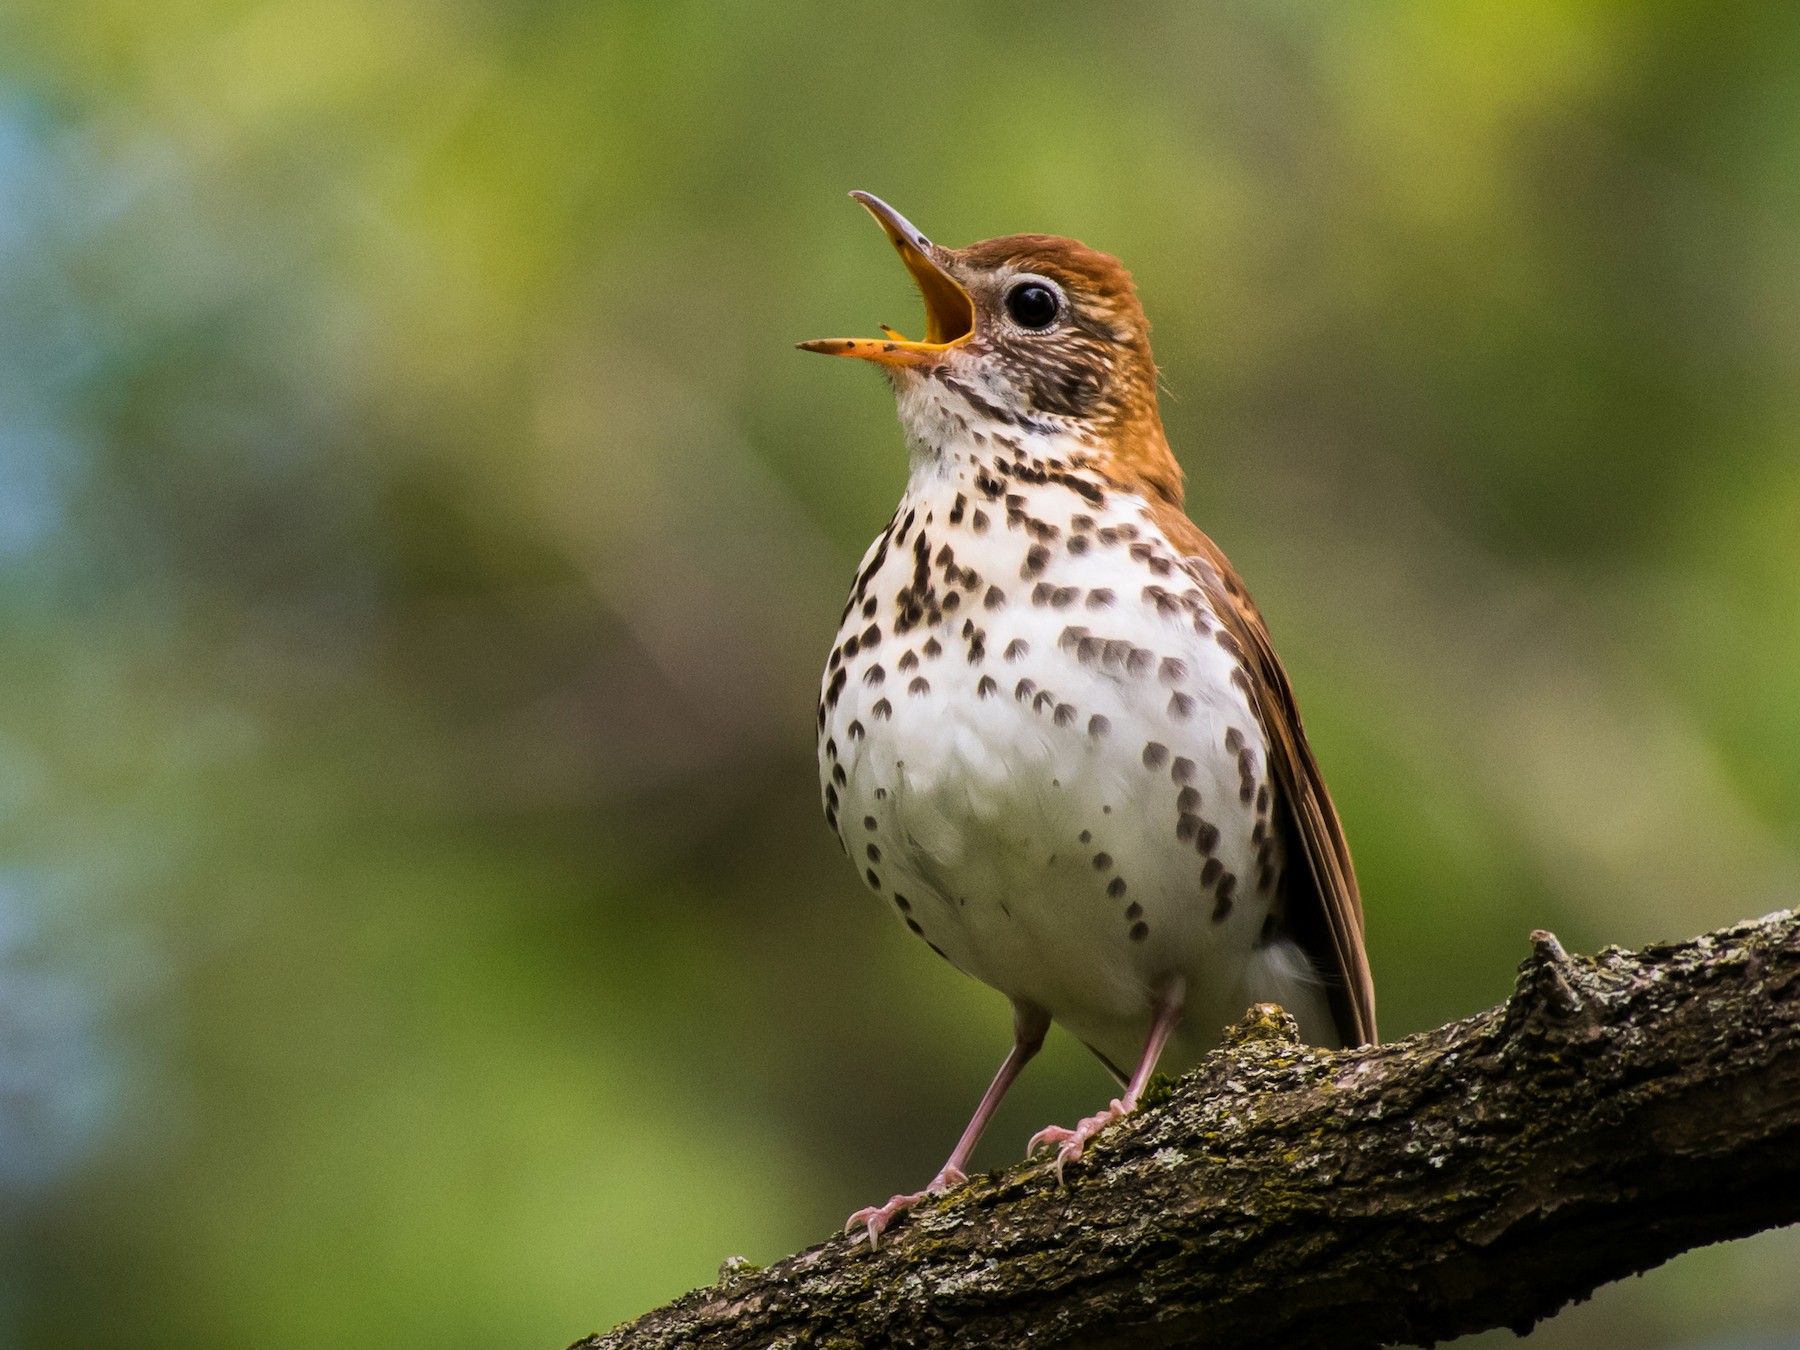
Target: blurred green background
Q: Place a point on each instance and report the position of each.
(419, 540)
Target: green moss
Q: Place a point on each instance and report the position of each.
(1157, 1091)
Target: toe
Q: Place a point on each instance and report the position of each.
(1050, 1134)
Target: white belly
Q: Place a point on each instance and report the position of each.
(1064, 793)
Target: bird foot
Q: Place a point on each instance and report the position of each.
(1069, 1144)
(875, 1219)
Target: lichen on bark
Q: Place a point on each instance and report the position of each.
(1615, 1111)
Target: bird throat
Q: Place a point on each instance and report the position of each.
(953, 417)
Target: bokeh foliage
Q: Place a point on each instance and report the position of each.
(418, 541)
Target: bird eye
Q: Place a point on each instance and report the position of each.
(1032, 304)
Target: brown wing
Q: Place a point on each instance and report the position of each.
(1324, 906)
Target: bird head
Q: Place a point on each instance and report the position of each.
(1026, 335)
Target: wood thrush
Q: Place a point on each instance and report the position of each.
(1053, 734)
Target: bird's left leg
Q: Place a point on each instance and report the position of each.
(1166, 1016)
(1029, 1026)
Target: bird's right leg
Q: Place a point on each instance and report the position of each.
(1029, 1026)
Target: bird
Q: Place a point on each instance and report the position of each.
(1053, 734)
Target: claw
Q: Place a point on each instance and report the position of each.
(1070, 1144)
(875, 1219)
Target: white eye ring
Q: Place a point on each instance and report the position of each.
(1034, 304)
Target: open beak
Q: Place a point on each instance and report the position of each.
(949, 313)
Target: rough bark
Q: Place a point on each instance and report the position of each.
(1615, 1111)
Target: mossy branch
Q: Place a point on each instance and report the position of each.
(1615, 1111)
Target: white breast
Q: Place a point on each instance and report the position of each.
(1057, 784)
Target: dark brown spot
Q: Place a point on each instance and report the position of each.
(1098, 726)
(1099, 598)
(1044, 699)
(1064, 596)
(868, 822)
(873, 880)
(1181, 706)
(1262, 800)
(1037, 557)
(838, 775)
(1139, 931)
(855, 731)
(1139, 660)
(1065, 714)
(1078, 544)
(909, 660)
(1186, 827)
(830, 748)
(1234, 739)
(914, 925)
(920, 685)
(956, 509)
(1016, 648)
(985, 686)
(882, 710)
(994, 598)
(1182, 770)
(1102, 861)
(1246, 790)
(1132, 911)
(1156, 754)
(1226, 892)
(1188, 799)
(1171, 670)
(979, 521)
(1023, 689)
(904, 904)
(1210, 873)
(1041, 593)
(874, 853)
(1208, 838)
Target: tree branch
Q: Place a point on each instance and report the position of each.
(1615, 1111)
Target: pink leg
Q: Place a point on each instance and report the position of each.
(1029, 1026)
(1071, 1142)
